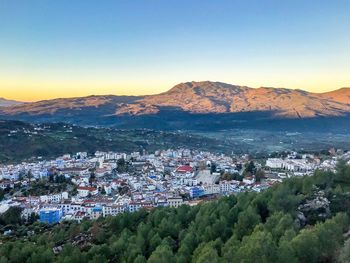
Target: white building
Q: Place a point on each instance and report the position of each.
(55, 198)
(84, 191)
(175, 201)
(112, 209)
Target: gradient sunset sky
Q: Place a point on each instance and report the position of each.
(69, 48)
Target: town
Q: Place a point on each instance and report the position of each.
(80, 186)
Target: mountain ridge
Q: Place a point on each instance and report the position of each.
(192, 105)
(6, 103)
(218, 97)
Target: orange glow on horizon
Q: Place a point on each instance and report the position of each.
(46, 90)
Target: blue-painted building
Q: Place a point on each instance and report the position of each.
(50, 215)
(196, 192)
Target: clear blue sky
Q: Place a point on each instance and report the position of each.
(72, 48)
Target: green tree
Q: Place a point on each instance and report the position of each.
(308, 184)
(260, 174)
(286, 253)
(258, 247)
(330, 236)
(343, 171)
(278, 224)
(205, 253)
(140, 259)
(250, 168)
(247, 220)
(305, 246)
(344, 255)
(162, 254)
(11, 216)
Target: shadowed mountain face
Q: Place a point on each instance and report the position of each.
(194, 105)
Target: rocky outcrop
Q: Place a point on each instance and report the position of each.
(315, 209)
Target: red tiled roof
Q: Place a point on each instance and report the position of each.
(184, 169)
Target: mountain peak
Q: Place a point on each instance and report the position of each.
(204, 86)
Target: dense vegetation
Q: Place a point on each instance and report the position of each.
(19, 140)
(278, 225)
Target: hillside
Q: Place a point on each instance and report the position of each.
(217, 97)
(300, 220)
(20, 141)
(105, 103)
(195, 105)
(8, 103)
(341, 95)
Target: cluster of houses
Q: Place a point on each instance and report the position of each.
(105, 186)
(300, 165)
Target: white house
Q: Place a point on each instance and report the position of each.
(175, 201)
(84, 191)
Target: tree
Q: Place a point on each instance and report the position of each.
(230, 248)
(213, 168)
(206, 253)
(11, 216)
(344, 256)
(284, 198)
(247, 220)
(140, 259)
(305, 246)
(162, 254)
(260, 174)
(249, 168)
(32, 218)
(343, 171)
(308, 184)
(278, 224)
(286, 253)
(98, 259)
(43, 257)
(258, 247)
(330, 236)
(121, 165)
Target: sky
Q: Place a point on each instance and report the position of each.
(66, 48)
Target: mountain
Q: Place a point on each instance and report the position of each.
(217, 97)
(107, 104)
(7, 103)
(193, 105)
(341, 95)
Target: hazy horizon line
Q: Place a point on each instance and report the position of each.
(156, 93)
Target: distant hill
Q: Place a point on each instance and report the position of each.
(21, 141)
(191, 105)
(7, 103)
